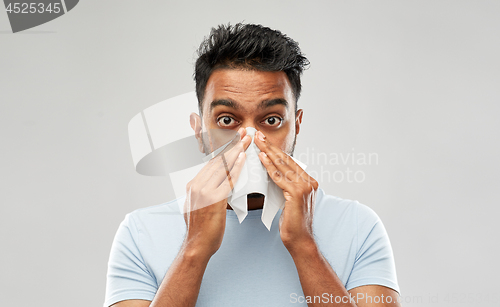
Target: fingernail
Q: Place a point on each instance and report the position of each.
(261, 136)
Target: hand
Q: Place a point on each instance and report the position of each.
(299, 190)
(206, 199)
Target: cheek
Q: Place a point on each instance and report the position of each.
(289, 137)
(284, 141)
(289, 142)
(214, 136)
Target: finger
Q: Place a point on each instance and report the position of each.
(231, 154)
(228, 161)
(207, 171)
(282, 161)
(288, 167)
(227, 172)
(233, 142)
(282, 180)
(223, 164)
(227, 185)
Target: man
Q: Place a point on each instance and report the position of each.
(321, 250)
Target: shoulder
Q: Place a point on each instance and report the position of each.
(343, 223)
(163, 215)
(333, 209)
(343, 228)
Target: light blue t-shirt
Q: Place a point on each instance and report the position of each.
(252, 266)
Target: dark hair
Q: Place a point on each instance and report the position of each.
(252, 47)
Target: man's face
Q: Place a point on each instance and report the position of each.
(250, 98)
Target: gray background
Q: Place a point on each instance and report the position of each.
(416, 82)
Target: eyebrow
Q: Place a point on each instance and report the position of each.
(224, 102)
(269, 103)
(234, 105)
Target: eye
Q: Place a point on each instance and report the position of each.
(225, 121)
(273, 121)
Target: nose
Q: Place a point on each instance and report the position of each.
(251, 131)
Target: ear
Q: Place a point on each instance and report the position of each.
(195, 121)
(298, 120)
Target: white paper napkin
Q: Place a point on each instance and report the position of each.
(254, 179)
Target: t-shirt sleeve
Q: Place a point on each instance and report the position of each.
(374, 263)
(128, 276)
